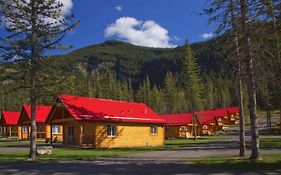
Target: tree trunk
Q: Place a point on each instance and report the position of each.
(255, 155)
(34, 57)
(194, 126)
(241, 119)
(239, 78)
(32, 151)
(90, 93)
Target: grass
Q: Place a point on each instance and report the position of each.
(270, 162)
(60, 154)
(176, 143)
(90, 154)
(17, 143)
(268, 142)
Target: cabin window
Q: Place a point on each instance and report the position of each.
(56, 129)
(24, 129)
(40, 128)
(153, 129)
(70, 131)
(111, 130)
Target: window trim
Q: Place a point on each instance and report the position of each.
(58, 129)
(153, 130)
(24, 129)
(112, 126)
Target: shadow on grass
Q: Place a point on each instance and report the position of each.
(109, 167)
(270, 162)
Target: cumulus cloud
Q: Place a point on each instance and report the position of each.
(144, 33)
(119, 8)
(67, 6)
(207, 35)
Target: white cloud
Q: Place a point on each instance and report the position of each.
(119, 8)
(67, 6)
(144, 33)
(207, 35)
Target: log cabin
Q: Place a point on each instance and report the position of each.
(208, 122)
(101, 123)
(233, 114)
(221, 116)
(9, 124)
(43, 129)
(180, 125)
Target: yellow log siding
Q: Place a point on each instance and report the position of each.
(181, 131)
(11, 131)
(209, 129)
(43, 132)
(128, 135)
(94, 134)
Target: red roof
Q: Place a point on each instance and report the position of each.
(205, 117)
(10, 118)
(177, 119)
(41, 112)
(85, 108)
(233, 110)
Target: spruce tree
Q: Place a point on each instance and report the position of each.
(191, 82)
(191, 78)
(34, 27)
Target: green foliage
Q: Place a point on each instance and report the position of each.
(191, 79)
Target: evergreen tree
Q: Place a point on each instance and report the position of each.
(33, 27)
(191, 78)
(170, 91)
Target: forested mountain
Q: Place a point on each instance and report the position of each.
(95, 68)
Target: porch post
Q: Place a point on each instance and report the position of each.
(81, 134)
(10, 131)
(19, 132)
(51, 133)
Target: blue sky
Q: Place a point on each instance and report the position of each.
(154, 23)
(178, 17)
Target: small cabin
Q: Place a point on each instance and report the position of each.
(222, 118)
(101, 123)
(9, 124)
(181, 125)
(208, 122)
(233, 114)
(43, 130)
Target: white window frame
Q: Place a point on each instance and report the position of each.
(24, 129)
(153, 130)
(113, 130)
(56, 129)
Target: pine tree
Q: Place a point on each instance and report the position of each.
(33, 27)
(170, 91)
(191, 82)
(191, 79)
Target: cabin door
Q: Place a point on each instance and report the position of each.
(70, 135)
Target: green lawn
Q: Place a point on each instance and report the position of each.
(69, 154)
(268, 142)
(175, 143)
(269, 162)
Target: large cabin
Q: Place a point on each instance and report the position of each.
(43, 129)
(101, 123)
(181, 125)
(9, 124)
